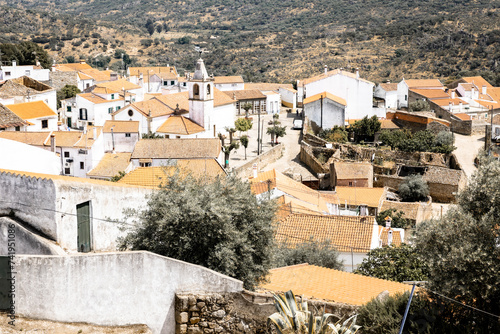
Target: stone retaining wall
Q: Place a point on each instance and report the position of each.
(245, 171)
(244, 312)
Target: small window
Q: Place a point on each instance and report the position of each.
(66, 154)
(196, 90)
(172, 83)
(7, 74)
(45, 124)
(110, 110)
(178, 137)
(165, 83)
(87, 85)
(117, 108)
(112, 96)
(406, 97)
(486, 115)
(82, 165)
(68, 108)
(18, 128)
(127, 135)
(131, 112)
(350, 184)
(27, 72)
(184, 84)
(67, 171)
(83, 114)
(208, 89)
(145, 164)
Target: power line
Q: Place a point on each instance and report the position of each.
(462, 304)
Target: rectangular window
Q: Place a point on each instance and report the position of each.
(117, 108)
(127, 135)
(45, 124)
(145, 164)
(68, 108)
(165, 83)
(406, 97)
(7, 74)
(66, 154)
(82, 165)
(67, 171)
(18, 128)
(112, 96)
(172, 83)
(27, 72)
(83, 114)
(486, 115)
(110, 110)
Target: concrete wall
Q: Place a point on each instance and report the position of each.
(111, 289)
(31, 199)
(333, 114)
(288, 98)
(60, 79)
(121, 142)
(245, 171)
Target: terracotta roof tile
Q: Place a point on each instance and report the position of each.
(445, 102)
(121, 126)
(155, 176)
(332, 73)
(228, 79)
(423, 83)
(265, 86)
(72, 67)
(103, 90)
(288, 186)
(242, 95)
(30, 110)
(329, 284)
(326, 95)
(462, 116)
(9, 119)
(118, 85)
(343, 232)
(97, 75)
(180, 125)
(111, 164)
(389, 87)
(353, 170)
(83, 76)
(372, 197)
(136, 71)
(409, 209)
(96, 99)
(383, 234)
(431, 93)
(478, 81)
(30, 138)
(387, 124)
(177, 148)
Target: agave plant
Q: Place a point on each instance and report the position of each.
(296, 318)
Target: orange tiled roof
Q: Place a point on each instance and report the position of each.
(228, 79)
(383, 233)
(288, 186)
(110, 165)
(327, 95)
(154, 176)
(30, 110)
(478, 81)
(30, 138)
(444, 102)
(245, 94)
(180, 125)
(431, 93)
(136, 71)
(372, 197)
(98, 99)
(9, 119)
(119, 85)
(83, 76)
(97, 75)
(72, 67)
(330, 284)
(353, 170)
(188, 148)
(389, 87)
(462, 116)
(343, 232)
(332, 73)
(121, 126)
(387, 124)
(267, 86)
(103, 90)
(423, 83)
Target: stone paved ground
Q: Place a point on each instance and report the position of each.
(289, 161)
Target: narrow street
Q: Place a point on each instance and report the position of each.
(466, 152)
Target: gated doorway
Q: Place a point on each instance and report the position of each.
(83, 218)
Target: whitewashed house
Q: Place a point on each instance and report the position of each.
(357, 92)
(120, 136)
(16, 71)
(406, 84)
(388, 92)
(325, 110)
(229, 83)
(96, 107)
(26, 89)
(37, 115)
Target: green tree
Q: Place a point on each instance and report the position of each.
(394, 263)
(246, 106)
(321, 254)
(151, 135)
(217, 223)
(397, 218)
(227, 151)
(26, 53)
(443, 142)
(413, 189)
(419, 105)
(366, 128)
(66, 92)
(394, 138)
(118, 176)
(244, 141)
(463, 252)
(337, 134)
(280, 132)
(243, 124)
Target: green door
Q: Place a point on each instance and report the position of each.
(69, 122)
(83, 220)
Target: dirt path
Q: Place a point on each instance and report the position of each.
(466, 152)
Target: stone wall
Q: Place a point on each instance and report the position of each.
(245, 171)
(60, 79)
(111, 289)
(244, 312)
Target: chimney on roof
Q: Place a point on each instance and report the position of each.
(460, 106)
(82, 61)
(357, 73)
(363, 210)
(53, 143)
(453, 94)
(326, 69)
(483, 90)
(14, 63)
(388, 222)
(94, 133)
(473, 91)
(450, 106)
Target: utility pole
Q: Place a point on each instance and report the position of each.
(321, 111)
(258, 131)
